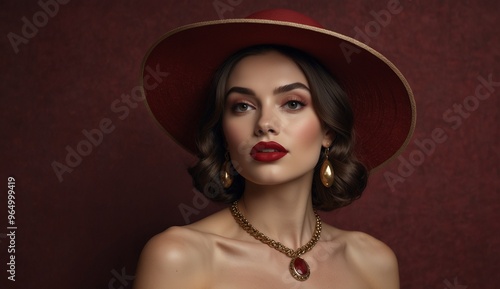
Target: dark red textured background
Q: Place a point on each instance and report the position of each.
(441, 218)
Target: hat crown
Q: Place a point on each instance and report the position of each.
(286, 15)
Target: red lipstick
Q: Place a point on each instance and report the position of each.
(267, 151)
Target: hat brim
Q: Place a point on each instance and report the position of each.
(381, 98)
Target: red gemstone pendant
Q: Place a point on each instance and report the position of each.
(299, 269)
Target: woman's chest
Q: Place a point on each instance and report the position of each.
(245, 266)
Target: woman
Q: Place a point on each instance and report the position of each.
(276, 142)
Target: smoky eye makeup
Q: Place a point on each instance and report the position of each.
(294, 103)
(240, 107)
(236, 103)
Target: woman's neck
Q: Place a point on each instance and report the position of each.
(282, 212)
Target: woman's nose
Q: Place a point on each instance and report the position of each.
(268, 122)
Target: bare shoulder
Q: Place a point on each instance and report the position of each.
(368, 258)
(181, 257)
(374, 260)
(175, 258)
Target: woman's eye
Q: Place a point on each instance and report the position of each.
(241, 107)
(294, 105)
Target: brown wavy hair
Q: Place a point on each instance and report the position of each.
(330, 103)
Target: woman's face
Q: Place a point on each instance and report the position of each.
(272, 131)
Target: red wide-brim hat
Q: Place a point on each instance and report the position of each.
(187, 58)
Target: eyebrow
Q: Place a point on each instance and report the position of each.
(290, 87)
(278, 90)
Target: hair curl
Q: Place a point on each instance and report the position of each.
(330, 103)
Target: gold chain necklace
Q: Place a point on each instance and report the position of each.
(298, 267)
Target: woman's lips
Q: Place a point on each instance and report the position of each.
(267, 151)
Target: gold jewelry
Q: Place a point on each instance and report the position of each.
(326, 173)
(225, 175)
(298, 267)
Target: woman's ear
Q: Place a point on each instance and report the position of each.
(328, 138)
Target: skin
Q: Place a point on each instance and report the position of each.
(216, 252)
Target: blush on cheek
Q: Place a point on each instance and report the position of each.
(309, 131)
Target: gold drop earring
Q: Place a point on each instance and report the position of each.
(326, 173)
(225, 175)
